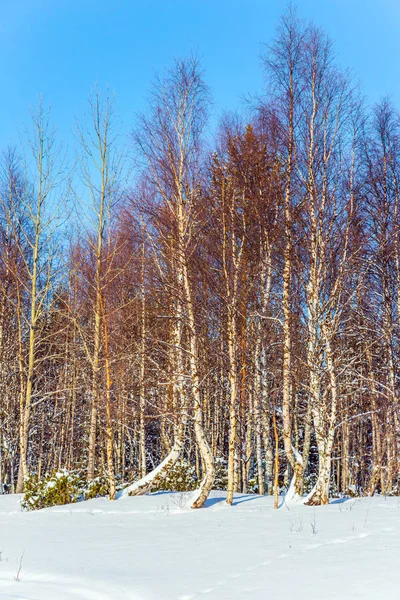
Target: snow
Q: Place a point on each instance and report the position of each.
(157, 548)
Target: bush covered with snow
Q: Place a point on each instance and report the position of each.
(181, 478)
(96, 487)
(61, 487)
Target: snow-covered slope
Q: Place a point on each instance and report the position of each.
(155, 548)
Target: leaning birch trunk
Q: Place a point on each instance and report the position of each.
(201, 495)
(182, 213)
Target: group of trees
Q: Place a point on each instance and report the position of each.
(235, 300)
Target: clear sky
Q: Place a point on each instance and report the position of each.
(62, 47)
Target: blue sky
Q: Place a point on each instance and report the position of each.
(62, 47)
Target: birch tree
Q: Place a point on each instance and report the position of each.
(169, 141)
(100, 163)
(39, 225)
(283, 64)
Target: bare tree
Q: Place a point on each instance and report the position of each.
(40, 221)
(100, 163)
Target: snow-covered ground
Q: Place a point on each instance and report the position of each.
(156, 548)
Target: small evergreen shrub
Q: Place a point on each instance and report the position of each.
(182, 478)
(62, 487)
(252, 485)
(221, 474)
(96, 487)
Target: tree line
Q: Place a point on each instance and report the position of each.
(234, 298)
